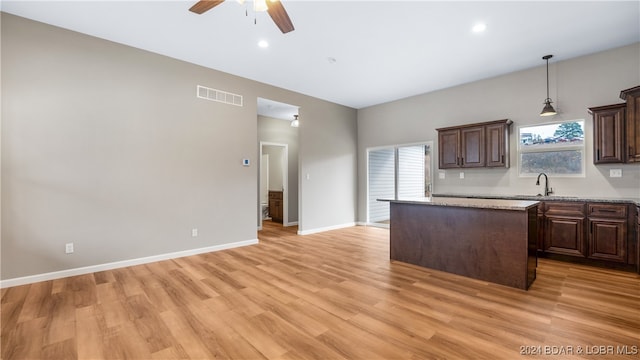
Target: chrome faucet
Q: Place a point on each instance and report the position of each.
(547, 189)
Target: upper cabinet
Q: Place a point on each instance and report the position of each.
(616, 130)
(608, 133)
(632, 97)
(474, 145)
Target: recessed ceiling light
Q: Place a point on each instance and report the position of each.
(478, 28)
(263, 44)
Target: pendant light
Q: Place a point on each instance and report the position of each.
(548, 110)
(295, 122)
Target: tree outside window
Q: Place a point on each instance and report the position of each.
(553, 148)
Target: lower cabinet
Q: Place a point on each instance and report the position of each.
(637, 239)
(564, 228)
(595, 231)
(608, 232)
(565, 235)
(275, 206)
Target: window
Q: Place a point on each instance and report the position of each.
(553, 148)
(396, 172)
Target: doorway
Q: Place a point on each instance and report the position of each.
(278, 164)
(274, 159)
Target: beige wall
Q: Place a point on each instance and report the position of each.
(107, 146)
(576, 84)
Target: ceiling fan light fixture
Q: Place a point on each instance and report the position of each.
(548, 110)
(260, 5)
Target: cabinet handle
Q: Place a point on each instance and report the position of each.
(598, 154)
(608, 210)
(461, 161)
(630, 152)
(502, 158)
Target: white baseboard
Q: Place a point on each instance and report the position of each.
(119, 264)
(378, 225)
(291, 223)
(317, 230)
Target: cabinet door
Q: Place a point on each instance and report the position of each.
(448, 149)
(637, 249)
(632, 96)
(497, 138)
(608, 132)
(607, 239)
(565, 235)
(275, 210)
(472, 147)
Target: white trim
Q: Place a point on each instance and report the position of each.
(120, 264)
(328, 228)
(378, 225)
(291, 223)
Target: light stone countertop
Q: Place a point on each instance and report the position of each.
(500, 204)
(635, 201)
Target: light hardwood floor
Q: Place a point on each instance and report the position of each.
(332, 295)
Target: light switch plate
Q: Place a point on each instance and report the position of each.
(461, 175)
(441, 175)
(615, 173)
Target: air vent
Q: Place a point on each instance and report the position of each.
(219, 96)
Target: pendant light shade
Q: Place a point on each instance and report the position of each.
(295, 122)
(548, 110)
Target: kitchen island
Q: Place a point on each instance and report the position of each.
(487, 239)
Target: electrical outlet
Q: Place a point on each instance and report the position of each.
(461, 175)
(441, 175)
(68, 248)
(615, 173)
(194, 232)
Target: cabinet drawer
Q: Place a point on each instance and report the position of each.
(275, 195)
(564, 208)
(608, 210)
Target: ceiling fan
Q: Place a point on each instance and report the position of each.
(274, 8)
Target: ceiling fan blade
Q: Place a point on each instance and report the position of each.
(279, 16)
(204, 6)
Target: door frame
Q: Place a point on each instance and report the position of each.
(395, 149)
(285, 183)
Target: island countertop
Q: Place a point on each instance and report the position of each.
(500, 204)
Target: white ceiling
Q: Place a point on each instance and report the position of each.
(383, 50)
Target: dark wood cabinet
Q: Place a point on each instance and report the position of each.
(608, 133)
(607, 236)
(497, 141)
(275, 206)
(564, 228)
(449, 149)
(474, 145)
(632, 98)
(637, 248)
(616, 130)
(595, 232)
